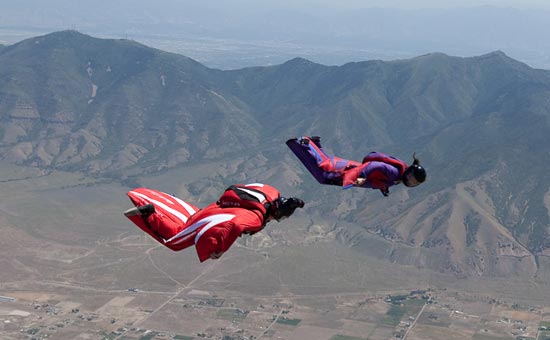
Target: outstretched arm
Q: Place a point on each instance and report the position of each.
(375, 175)
(353, 177)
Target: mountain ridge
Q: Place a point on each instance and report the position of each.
(120, 110)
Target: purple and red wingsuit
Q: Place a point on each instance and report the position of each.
(379, 170)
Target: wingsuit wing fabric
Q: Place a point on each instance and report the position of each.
(171, 214)
(309, 160)
(325, 168)
(379, 170)
(220, 228)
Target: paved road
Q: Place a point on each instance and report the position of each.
(414, 322)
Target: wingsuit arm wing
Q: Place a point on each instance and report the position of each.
(350, 176)
(252, 226)
(208, 247)
(374, 173)
(219, 239)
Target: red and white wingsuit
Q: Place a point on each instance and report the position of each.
(242, 209)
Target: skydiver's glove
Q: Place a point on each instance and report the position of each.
(385, 192)
(359, 181)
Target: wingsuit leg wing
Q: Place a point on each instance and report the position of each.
(169, 218)
(310, 156)
(326, 169)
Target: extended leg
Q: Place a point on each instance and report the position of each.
(316, 160)
(159, 214)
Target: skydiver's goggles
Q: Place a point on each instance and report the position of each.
(282, 207)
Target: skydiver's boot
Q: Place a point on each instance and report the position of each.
(143, 210)
(316, 140)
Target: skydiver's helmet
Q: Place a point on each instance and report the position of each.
(282, 208)
(414, 174)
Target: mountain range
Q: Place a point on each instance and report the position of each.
(243, 33)
(120, 110)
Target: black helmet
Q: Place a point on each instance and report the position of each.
(282, 207)
(414, 174)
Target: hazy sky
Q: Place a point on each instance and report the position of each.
(237, 33)
(136, 5)
(459, 3)
(404, 4)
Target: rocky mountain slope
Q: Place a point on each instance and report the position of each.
(120, 110)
